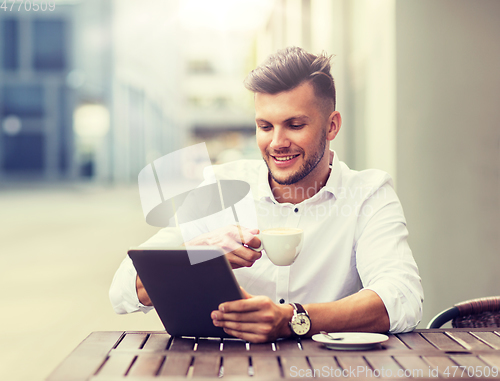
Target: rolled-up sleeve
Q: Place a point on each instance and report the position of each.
(123, 292)
(385, 262)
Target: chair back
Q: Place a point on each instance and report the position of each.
(475, 313)
(478, 313)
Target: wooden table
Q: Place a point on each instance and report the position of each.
(424, 354)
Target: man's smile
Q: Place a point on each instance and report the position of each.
(285, 160)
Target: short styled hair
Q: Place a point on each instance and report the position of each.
(290, 67)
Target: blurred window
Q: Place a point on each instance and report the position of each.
(195, 101)
(65, 129)
(23, 152)
(9, 32)
(49, 48)
(200, 67)
(24, 101)
(221, 102)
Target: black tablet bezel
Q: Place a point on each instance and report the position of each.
(184, 295)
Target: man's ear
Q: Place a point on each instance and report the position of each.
(334, 123)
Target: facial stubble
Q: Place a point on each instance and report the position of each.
(308, 166)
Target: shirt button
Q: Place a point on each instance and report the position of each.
(296, 210)
(282, 301)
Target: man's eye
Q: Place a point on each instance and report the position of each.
(265, 128)
(296, 126)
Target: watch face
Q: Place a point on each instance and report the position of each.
(301, 324)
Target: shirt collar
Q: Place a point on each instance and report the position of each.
(263, 187)
(332, 185)
(334, 182)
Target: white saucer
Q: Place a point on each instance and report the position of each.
(351, 341)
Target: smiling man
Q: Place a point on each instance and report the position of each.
(292, 133)
(355, 271)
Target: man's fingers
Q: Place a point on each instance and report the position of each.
(250, 317)
(248, 254)
(227, 237)
(242, 256)
(254, 242)
(260, 329)
(251, 332)
(231, 239)
(246, 305)
(245, 294)
(237, 262)
(254, 319)
(248, 235)
(247, 336)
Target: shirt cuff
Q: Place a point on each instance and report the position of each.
(123, 293)
(405, 311)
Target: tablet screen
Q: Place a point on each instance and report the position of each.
(184, 295)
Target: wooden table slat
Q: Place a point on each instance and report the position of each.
(312, 347)
(490, 338)
(87, 357)
(157, 342)
(384, 365)
(288, 345)
(415, 341)
(146, 365)
(492, 360)
(394, 343)
(236, 366)
(468, 360)
(206, 366)
(132, 341)
(116, 365)
(208, 345)
(232, 346)
(440, 366)
(414, 367)
(176, 366)
(354, 367)
(182, 344)
(325, 366)
(468, 341)
(261, 347)
(266, 367)
(443, 342)
(295, 366)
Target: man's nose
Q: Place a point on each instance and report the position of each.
(280, 139)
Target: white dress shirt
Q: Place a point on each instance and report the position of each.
(355, 238)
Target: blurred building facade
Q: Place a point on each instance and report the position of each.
(99, 88)
(54, 62)
(148, 100)
(36, 101)
(219, 110)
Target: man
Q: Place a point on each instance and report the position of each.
(355, 271)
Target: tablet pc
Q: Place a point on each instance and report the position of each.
(184, 295)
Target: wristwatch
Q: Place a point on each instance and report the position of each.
(300, 324)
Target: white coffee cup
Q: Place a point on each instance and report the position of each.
(282, 245)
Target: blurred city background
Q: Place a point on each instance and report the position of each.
(93, 90)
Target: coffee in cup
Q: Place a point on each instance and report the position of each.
(282, 245)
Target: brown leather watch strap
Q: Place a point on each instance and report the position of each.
(298, 307)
